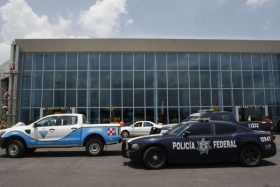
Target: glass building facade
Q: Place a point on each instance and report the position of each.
(147, 86)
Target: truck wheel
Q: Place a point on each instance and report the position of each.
(94, 147)
(15, 149)
(30, 150)
(125, 134)
(250, 156)
(155, 158)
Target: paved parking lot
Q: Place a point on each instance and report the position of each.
(72, 167)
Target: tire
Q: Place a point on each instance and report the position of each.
(30, 150)
(94, 147)
(250, 156)
(15, 149)
(155, 158)
(125, 134)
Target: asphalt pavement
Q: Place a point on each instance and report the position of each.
(67, 167)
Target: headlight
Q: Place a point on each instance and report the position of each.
(2, 132)
(135, 146)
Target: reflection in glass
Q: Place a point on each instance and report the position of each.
(105, 98)
(116, 61)
(237, 97)
(257, 62)
(36, 98)
(193, 61)
(27, 62)
(184, 97)
(248, 97)
(161, 79)
(268, 79)
(82, 61)
(226, 79)
(205, 97)
(60, 61)
(259, 97)
(235, 62)
(139, 79)
(82, 79)
(138, 61)
(173, 98)
(171, 61)
(183, 79)
(227, 97)
(194, 97)
(149, 79)
(94, 98)
(127, 79)
(48, 98)
(48, 77)
(269, 97)
(194, 79)
(258, 79)
(225, 62)
(82, 98)
(94, 116)
(215, 62)
(246, 62)
(236, 79)
(71, 61)
(116, 98)
(71, 77)
(172, 79)
(150, 97)
(149, 61)
(182, 61)
(104, 61)
(37, 80)
(38, 62)
(161, 61)
(71, 98)
(94, 79)
(104, 79)
(48, 61)
(94, 61)
(216, 79)
(116, 79)
(128, 100)
(205, 79)
(204, 61)
(128, 61)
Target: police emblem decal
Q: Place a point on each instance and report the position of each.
(203, 146)
(43, 133)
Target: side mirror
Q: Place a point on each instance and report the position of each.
(35, 125)
(186, 133)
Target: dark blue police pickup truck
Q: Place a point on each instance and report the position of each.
(219, 116)
(201, 141)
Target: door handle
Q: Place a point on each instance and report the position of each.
(52, 129)
(73, 128)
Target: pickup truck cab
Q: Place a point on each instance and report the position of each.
(57, 131)
(221, 116)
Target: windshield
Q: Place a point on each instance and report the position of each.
(177, 130)
(190, 118)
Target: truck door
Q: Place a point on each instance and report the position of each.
(44, 132)
(68, 130)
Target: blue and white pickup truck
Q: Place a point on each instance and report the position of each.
(58, 131)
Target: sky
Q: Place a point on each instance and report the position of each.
(173, 19)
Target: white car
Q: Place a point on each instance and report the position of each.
(137, 129)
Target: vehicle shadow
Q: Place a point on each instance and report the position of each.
(43, 153)
(264, 163)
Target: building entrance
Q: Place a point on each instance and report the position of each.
(256, 113)
(53, 110)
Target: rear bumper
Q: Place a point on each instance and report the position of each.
(270, 150)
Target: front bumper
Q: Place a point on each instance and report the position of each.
(125, 152)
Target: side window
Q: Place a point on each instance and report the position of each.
(206, 116)
(69, 120)
(147, 124)
(200, 130)
(224, 117)
(49, 121)
(138, 124)
(224, 129)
